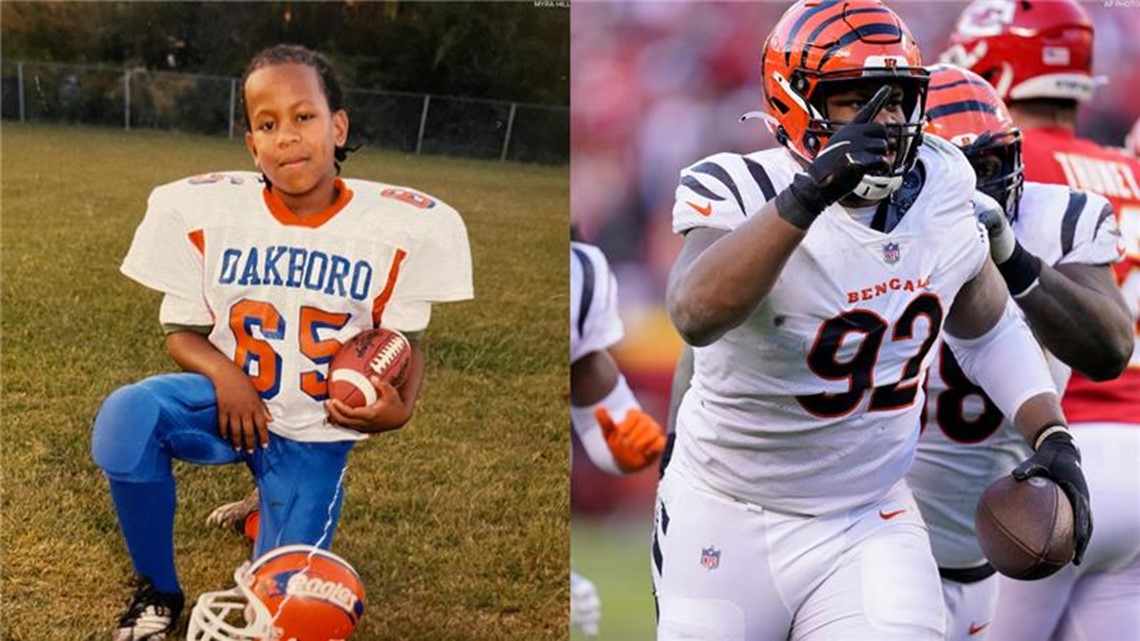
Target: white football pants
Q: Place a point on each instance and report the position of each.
(726, 570)
(969, 608)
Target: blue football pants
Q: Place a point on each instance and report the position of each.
(142, 427)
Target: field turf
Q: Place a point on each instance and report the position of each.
(615, 556)
(457, 523)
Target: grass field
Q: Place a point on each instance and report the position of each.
(457, 523)
(615, 556)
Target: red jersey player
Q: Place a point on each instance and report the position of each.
(1038, 55)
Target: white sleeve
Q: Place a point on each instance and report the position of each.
(594, 318)
(1006, 362)
(180, 311)
(163, 255)
(1093, 238)
(618, 403)
(408, 317)
(438, 269)
(716, 192)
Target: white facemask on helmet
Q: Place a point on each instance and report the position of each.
(296, 592)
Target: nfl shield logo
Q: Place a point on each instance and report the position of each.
(891, 253)
(710, 558)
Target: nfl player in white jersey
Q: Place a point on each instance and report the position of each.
(1072, 304)
(1039, 58)
(813, 282)
(617, 436)
(264, 276)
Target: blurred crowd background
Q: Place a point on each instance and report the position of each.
(657, 86)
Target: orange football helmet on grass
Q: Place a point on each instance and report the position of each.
(291, 593)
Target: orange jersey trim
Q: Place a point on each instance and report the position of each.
(285, 216)
(382, 300)
(198, 239)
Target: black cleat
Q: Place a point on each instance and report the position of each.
(150, 615)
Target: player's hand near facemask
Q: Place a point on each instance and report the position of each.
(990, 214)
(857, 149)
(1019, 268)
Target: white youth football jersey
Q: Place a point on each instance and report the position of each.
(282, 293)
(812, 404)
(594, 321)
(966, 443)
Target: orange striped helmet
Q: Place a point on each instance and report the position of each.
(966, 110)
(822, 46)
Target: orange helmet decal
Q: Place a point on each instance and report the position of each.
(293, 592)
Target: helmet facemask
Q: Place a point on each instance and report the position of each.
(904, 138)
(294, 591)
(996, 160)
(231, 615)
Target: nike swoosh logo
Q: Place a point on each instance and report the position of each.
(704, 211)
(974, 629)
(887, 516)
(830, 148)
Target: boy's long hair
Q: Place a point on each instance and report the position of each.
(330, 83)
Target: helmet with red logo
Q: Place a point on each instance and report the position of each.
(821, 47)
(1027, 48)
(292, 593)
(966, 110)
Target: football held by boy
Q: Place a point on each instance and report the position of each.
(813, 282)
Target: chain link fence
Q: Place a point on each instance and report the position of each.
(415, 123)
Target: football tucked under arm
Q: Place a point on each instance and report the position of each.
(1029, 396)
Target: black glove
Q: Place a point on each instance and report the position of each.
(857, 149)
(1057, 458)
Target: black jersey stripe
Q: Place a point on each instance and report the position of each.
(877, 29)
(588, 277)
(963, 81)
(701, 190)
(761, 178)
(1077, 201)
(1106, 212)
(959, 107)
(658, 559)
(967, 575)
(716, 171)
(807, 15)
(814, 36)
